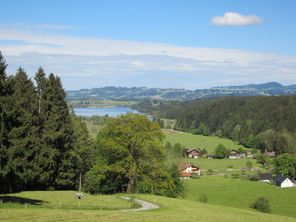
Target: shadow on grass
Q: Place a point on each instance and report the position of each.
(20, 200)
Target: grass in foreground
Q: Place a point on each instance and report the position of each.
(173, 210)
(240, 193)
(198, 141)
(62, 200)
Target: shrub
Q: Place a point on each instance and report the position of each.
(253, 177)
(249, 165)
(262, 205)
(235, 175)
(203, 198)
(210, 172)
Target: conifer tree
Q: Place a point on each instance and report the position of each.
(23, 137)
(5, 119)
(59, 158)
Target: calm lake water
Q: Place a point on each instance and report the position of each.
(110, 111)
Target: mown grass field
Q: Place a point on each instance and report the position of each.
(241, 193)
(173, 210)
(62, 200)
(198, 141)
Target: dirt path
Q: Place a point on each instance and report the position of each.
(144, 205)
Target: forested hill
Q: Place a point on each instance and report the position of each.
(124, 93)
(262, 122)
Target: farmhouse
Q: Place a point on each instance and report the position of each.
(265, 177)
(234, 154)
(189, 168)
(185, 175)
(249, 154)
(283, 181)
(192, 153)
(269, 153)
(210, 156)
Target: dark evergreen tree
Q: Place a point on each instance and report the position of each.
(58, 156)
(6, 104)
(23, 137)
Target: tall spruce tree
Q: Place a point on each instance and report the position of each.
(6, 104)
(23, 137)
(58, 156)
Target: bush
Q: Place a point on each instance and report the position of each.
(262, 205)
(235, 176)
(210, 172)
(203, 198)
(253, 177)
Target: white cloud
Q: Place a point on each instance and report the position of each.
(236, 19)
(120, 62)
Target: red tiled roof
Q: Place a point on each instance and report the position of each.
(185, 174)
(184, 166)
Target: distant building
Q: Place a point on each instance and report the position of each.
(193, 153)
(185, 175)
(269, 153)
(210, 156)
(265, 177)
(283, 181)
(249, 154)
(188, 170)
(234, 154)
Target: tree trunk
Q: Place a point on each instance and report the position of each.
(130, 185)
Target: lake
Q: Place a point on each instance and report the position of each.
(110, 111)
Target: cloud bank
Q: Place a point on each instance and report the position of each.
(92, 62)
(236, 19)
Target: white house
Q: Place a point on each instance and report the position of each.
(189, 168)
(283, 181)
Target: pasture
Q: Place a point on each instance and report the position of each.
(199, 141)
(241, 193)
(62, 200)
(173, 210)
(222, 164)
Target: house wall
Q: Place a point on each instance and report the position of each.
(287, 183)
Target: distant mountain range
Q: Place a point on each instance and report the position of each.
(135, 93)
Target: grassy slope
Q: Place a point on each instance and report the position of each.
(239, 193)
(172, 210)
(66, 200)
(198, 141)
(221, 165)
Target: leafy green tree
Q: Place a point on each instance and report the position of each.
(131, 146)
(221, 152)
(249, 165)
(203, 129)
(285, 164)
(84, 146)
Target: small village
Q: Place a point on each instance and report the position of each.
(190, 170)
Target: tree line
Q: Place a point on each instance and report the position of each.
(42, 144)
(259, 122)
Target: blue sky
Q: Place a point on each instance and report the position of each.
(180, 44)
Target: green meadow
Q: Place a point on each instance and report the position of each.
(63, 200)
(173, 210)
(222, 164)
(198, 141)
(241, 193)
